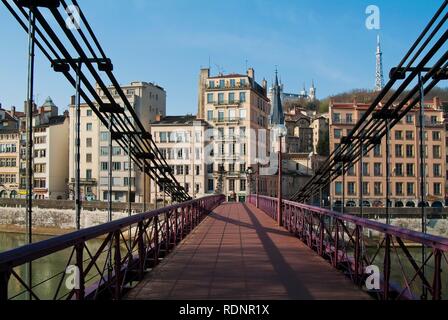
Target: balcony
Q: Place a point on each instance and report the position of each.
(84, 182)
(245, 86)
(228, 157)
(223, 121)
(233, 138)
(229, 103)
(343, 122)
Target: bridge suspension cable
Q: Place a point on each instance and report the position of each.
(420, 70)
(65, 48)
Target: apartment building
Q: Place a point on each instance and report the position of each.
(404, 161)
(236, 107)
(148, 100)
(181, 140)
(50, 152)
(9, 155)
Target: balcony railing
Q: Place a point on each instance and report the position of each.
(229, 87)
(84, 181)
(228, 120)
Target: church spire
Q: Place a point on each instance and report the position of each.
(277, 116)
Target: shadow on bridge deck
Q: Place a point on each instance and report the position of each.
(239, 253)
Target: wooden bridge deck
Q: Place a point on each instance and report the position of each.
(240, 253)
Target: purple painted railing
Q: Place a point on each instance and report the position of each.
(351, 244)
(107, 259)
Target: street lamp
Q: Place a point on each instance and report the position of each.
(281, 132)
(249, 173)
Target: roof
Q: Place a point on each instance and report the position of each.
(187, 120)
(232, 75)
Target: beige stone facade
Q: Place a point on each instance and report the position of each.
(236, 107)
(148, 100)
(404, 148)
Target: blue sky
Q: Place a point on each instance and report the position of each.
(168, 41)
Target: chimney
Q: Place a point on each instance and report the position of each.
(265, 84)
(72, 100)
(437, 103)
(13, 111)
(251, 73)
(158, 117)
(66, 113)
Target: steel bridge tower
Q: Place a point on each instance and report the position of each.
(379, 75)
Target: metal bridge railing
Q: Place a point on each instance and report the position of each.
(352, 244)
(102, 261)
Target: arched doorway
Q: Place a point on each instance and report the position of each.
(3, 194)
(13, 194)
(426, 205)
(378, 204)
(399, 204)
(351, 204)
(366, 204)
(437, 204)
(410, 204)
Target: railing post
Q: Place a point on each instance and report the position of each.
(156, 240)
(80, 293)
(387, 268)
(176, 226)
(141, 250)
(321, 236)
(4, 281)
(437, 284)
(182, 223)
(336, 244)
(167, 231)
(117, 266)
(358, 266)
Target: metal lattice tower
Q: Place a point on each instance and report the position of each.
(379, 75)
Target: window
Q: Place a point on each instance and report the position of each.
(349, 118)
(242, 132)
(399, 170)
(231, 167)
(409, 135)
(222, 83)
(410, 189)
(211, 84)
(89, 174)
(436, 152)
(398, 150)
(232, 83)
(89, 158)
(89, 112)
(220, 116)
(163, 137)
(231, 185)
(377, 170)
(242, 96)
(365, 169)
(232, 115)
(211, 185)
(198, 170)
(243, 114)
(89, 142)
(242, 167)
(437, 170)
(243, 82)
(337, 133)
(104, 166)
(399, 189)
(365, 188)
(377, 151)
(436, 136)
(89, 127)
(231, 97)
(437, 189)
(398, 135)
(410, 170)
(221, 98)
(104, 136)
(351, 186)
(378, 186)
(242, 185)
(210, 98)
(410, 119)
(409, 151)
(338, 188)
(337, 118)
(104, 151)
(210, 115)
(351, 171)
(179, 170)
(210, 168)
(116, 151)
(116, 166)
